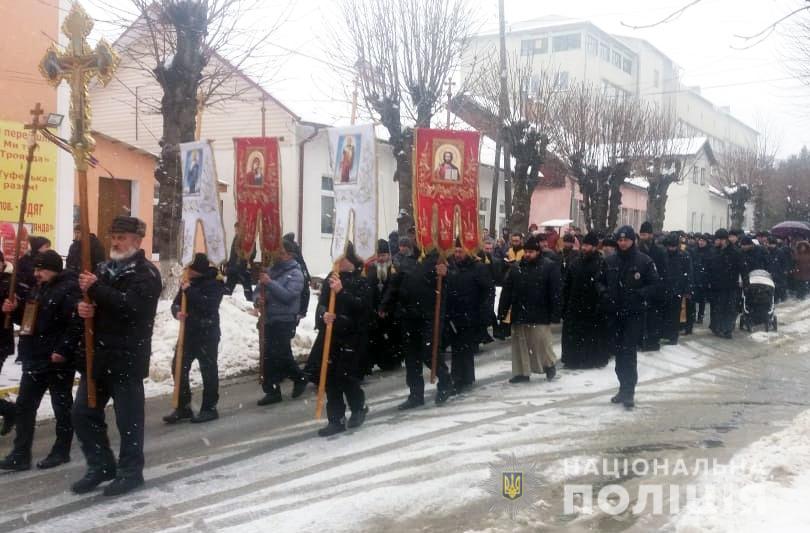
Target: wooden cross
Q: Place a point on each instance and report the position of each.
(77, 65)
(449, 84)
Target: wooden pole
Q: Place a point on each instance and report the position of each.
(84, 223)
(34, 127)
(262, 339)
(327, 347)
(437, 309)
(180, 348)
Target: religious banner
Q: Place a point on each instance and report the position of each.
(201, 202)
(445, 188)
(258, 193)
(354, 179)
(40, 216)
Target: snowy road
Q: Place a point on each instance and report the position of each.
(263, 469)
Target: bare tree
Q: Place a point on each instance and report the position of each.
(742, 171)
(663, 164)
(194, 49)
(403, 52)
(600, 137)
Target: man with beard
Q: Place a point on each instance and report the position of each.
(654, 312)
(515, 251)
(531, 294)
(546, 250)
(124, 294)
(678, 285)
(583, 335)
(203, 290)
(348, 333)
(383, 342)
(627, 284)
(724, 275)
(468, 288)
(412, 297)
(568, 254)
(49, 336)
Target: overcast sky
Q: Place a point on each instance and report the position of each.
(758, 84)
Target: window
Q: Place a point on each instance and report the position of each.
(483, 204)
(604, 52)
(625, 219)
(617, 59)
(530, 47)
(703, 176)
(656, 78)
(627, 65)
(694, 174)
(561, 81)
(327, 205)
(694, 217)
(561, 43)
(702, 216)
(593, 46)
(502, 209)
(482, 221)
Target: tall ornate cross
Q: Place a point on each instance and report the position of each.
(77, 65)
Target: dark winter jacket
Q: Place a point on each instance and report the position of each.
(203, 297)
(567, 257)
(580, 290)
(701, 260)
(678, 282)
(57, 328)
(532, 292)
(352, 309)
(754, 259)
(283, 293)
(779, 264)
(411, 295)
(801, 262)
(25, 271)
(74, 256)
(126, 297)
(658, 254)
(725, 269)
(468, 289)
(235, 262)
(629, 282)
(378, 286)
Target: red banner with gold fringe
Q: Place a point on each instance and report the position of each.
(445, 188)
(258, 193)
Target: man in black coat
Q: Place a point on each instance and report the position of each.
(584, 337)
(49, 336)
(753, 257)
(411, 296)
(656, 305)
(124, 292)
(468, 291)
(237, 269)
(531, 299)
(203, 290)
(701, 259)
(349, 334)
(678, 286)
(629, 280)
(7, 409)
(494, 270)
(25, 265)
(384, 348)
(724, 281)
(568, 254)
(779, 265)
(74, 256)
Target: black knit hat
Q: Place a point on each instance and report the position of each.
(591, 239)
(568, 238)
(735, 231)
(37, 242)
(627, 232)
(48, 260)
(532, 243)
(610, 242)
(124, 224)
(200, 263)
(746, 241)
(382, 247)
(721, 234)
(646, 227)
(671, 239)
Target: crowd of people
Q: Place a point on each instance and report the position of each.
(614, 294)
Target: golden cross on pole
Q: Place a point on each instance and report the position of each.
(77, 65)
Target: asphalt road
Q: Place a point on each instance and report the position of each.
(198, 476)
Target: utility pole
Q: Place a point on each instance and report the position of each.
(503, 110)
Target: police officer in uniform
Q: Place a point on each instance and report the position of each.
(124, 292)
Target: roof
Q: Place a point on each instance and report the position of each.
(126, 145)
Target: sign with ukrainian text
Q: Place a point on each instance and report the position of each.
(40, 218)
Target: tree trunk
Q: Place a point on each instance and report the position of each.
(519, 219)
(493, 206)
(507, 181)
(737, 213)
(657, 195)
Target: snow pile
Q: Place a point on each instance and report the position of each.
(238, 346)
(767, 492)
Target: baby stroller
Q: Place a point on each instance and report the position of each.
(757, 302)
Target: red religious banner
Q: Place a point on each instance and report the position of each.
(258, 193)
(445, 188)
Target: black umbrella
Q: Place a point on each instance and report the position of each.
(791, 228)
